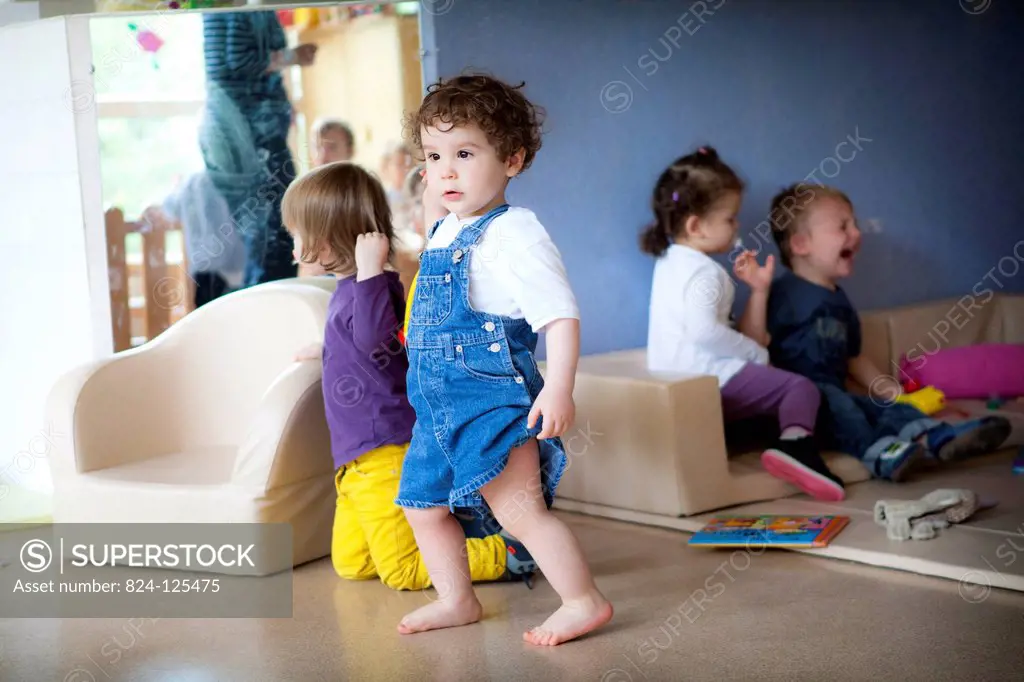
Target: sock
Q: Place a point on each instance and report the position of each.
(899, 516)
(794, 432)
(965, 505)
(927, 527)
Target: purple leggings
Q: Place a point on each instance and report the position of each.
(758, 390)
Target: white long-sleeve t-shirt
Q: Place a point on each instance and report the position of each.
(689, 330)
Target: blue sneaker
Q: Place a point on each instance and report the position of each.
(897, 459)
(952, 442)
(519, 565)
(480, 523)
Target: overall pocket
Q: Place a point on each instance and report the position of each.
(487, 362)
(432, 302)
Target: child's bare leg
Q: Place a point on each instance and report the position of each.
(443, 548)
(517, 501)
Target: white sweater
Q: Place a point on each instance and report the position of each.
(689, 330)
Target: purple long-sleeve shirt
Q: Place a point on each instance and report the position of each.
(365, 366)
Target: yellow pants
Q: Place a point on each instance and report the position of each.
(372, 537)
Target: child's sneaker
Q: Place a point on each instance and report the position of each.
(476, 523)
(897, 459)
(799, 462)
(951, 442)
(519, 565)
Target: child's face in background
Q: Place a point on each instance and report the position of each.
(395, 167)
(828, 240)
(464, 169)
(717, 229)
(330, 147)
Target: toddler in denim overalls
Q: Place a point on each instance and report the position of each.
(487, 424)
(338, 216)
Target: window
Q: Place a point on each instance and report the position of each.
(150, 86)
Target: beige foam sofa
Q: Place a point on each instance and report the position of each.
(211, 422)
(655, 443)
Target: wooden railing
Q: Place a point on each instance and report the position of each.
(149, 290)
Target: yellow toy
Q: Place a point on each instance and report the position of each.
(928, 399)
(408, 308)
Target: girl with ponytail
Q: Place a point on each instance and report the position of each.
(695, 202)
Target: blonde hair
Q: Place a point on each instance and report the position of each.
(789, 209)
(329, 207)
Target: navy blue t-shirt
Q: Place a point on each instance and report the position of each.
(814, 330)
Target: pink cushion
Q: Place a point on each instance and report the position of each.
(978, 371)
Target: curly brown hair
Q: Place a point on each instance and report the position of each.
(331, 206)
(509, 120)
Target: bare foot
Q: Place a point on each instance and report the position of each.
(571, 620)
(442, 615)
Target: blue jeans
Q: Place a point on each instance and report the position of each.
(268, 244)
(860, 426)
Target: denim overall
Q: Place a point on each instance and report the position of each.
(472, 381)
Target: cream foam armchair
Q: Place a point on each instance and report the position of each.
(211, 422)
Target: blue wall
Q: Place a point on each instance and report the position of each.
(935, 94)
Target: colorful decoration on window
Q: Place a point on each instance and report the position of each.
(149, 42)
(362, 10)
(286, 17)
(107, 6)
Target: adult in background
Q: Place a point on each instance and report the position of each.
(245, 53)
(331, 140)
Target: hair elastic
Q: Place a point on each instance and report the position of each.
(675, 196)
(703, 150)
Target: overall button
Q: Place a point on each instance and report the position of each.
(458, 349)
(457, 256)
(519, 380)
(447, 276)
(494, 347)
(489, 326)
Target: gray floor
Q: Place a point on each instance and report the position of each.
(682, 614)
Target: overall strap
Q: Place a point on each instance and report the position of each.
(433, 229)
(471, 234)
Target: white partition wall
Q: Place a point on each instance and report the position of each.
(54, 296)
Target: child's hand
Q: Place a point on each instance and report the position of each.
(558, 410)
(314, 351)
(305, 54)
(433, 207)
(757, 277)
(372, 251)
